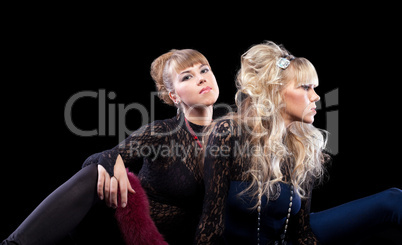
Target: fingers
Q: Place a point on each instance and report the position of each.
(120, 186)
(107, 189)
(118, 182)
(113, 192)
(103, 184)
(124, 187)
(101, 180)
(123, 193)
(130, 189)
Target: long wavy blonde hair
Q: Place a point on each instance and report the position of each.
(278, 150)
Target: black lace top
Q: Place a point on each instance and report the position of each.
(170, 174)
(225, 163)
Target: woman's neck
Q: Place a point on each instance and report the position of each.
(199, 115)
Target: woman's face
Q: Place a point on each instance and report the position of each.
(300, 102)
(195, 87)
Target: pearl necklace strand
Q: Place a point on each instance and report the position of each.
(283, 242)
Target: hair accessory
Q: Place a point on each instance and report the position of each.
(283, 63)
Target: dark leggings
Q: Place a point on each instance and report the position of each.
(67, 206)
(350, 222)
(61, 212)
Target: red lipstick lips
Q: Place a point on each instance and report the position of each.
(205, 90)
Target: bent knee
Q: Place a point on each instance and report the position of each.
(87, 176)
(391, 199)
(394, 193)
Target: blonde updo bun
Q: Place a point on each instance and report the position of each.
(157, 68)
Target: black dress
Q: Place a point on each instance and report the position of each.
(168, 157)
(170, 174)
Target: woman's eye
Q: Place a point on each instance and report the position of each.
(185, 78)
(205, 70)
(306, 87)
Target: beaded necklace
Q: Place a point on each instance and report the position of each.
(193, 134)
(282, 241)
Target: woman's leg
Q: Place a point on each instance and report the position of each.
(352, 221)
(60, 212)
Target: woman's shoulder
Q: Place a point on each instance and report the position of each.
(225, 126)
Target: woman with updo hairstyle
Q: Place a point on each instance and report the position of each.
(170, 174)
(262, 162)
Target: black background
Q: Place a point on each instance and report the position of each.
(53, 55)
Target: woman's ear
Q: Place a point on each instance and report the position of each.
(174, 97)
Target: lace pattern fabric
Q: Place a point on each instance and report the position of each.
(170, 174)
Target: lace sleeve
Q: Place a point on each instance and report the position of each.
(139, 144)
(217, 180)
(303, 232)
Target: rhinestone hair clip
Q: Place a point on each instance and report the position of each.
(283, 62)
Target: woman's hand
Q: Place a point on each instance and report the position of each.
(108, 187)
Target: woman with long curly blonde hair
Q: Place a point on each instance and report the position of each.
(262, 162)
